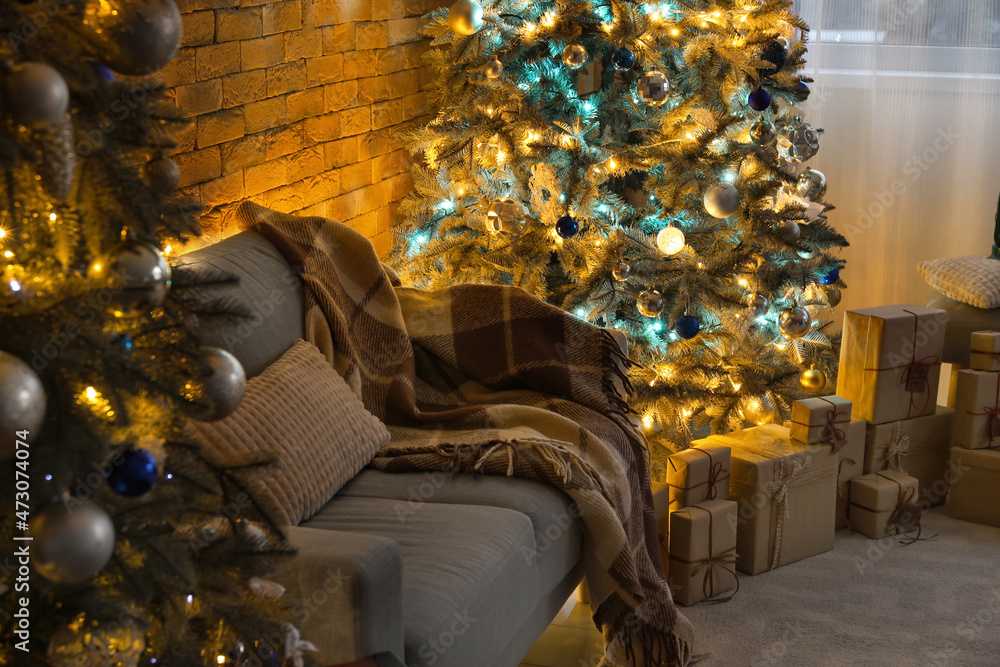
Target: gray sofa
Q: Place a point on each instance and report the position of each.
(417, 569)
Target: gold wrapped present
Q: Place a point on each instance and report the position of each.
(787, 495)
(890, 361)
(985, 352)
(821, 419)
(703, 551)
(977, 410)
(697, 474)
(917, 447)
(884, 503)
(975, 485)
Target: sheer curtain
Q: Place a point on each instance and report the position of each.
(908, 93)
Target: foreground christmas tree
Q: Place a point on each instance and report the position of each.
(665, 202)
(121, 543)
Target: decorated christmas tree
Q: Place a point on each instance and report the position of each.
(639, 165)
(122, 543)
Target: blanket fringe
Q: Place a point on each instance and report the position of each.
(640, 643)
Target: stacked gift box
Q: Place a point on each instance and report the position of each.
(975, 458)
(890, 365)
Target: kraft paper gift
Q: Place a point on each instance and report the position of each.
(975, 485)
(878, 502)
(703, 551)
(661, 506)
(984, 355)
(890, 361)
(977, 410)
(787, 495)
(850, 464)
(697, 474)
(821, 419)
(918, 447)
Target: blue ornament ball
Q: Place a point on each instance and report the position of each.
(830, 277)
(132, 473)
(567, 227)
(123, 342)
(102, 71)
(774, 53)
(805, 88)
(623, 59)
(759, 100)
(687, 326)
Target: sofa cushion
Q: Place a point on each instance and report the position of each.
(302, 414)
(467, 586)
(268, 287)
(554, 518)
(970, 279)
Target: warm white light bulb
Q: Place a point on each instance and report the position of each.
(670, 240)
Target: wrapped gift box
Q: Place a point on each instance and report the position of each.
(985, 351)
(821, 419)
(661, 505)
(697, 474)
(850, 464)
(787, 495)
(890, 361)
(702, 550)
(977, 410)
(918, 447)
(875, 497)
(975, 485)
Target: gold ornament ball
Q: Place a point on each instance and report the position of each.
(494, 68)
(760, 409)
(622, 270)
(650, 303)
(811, 184)
(670, 240)
(574, 56)
(653, 88)
(813, 380)
(466, 17)
(833, 295)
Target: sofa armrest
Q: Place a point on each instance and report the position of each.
(347, 593)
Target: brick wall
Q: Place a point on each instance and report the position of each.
(295, 103)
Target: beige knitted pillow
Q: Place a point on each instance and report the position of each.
(301, 413)
(972, 280)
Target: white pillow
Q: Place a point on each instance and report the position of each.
(972, 280)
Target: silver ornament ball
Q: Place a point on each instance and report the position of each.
(37, 94)
(506, 216)
(722, 200)
(225, 383)
(494, 68)
(138, 276)
(798, 141)
(650, 303)
(622, 270)
(72, 543)
(813, 380)
(135, 37)
(654, 88)
(811, 184)
(794, 322)
(574, 56)
(22, 404)
(758, 304)
(789, 231)
(163, 174)
(805, 254)
(763, 132)
(466, 17)
(760, 409)
(834, 295)
(670, 240)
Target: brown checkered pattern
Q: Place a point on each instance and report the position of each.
(491, 380)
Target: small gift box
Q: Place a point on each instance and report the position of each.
(787, 495)
(917, 447)
(985, 352)
(977, 409)
(822, 419)
(975, 485)
(697, 474)
(884, 503)
(703, 551)
(890, 361)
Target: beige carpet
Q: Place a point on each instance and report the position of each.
(866, 603)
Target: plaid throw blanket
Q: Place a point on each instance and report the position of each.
(488, 379)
